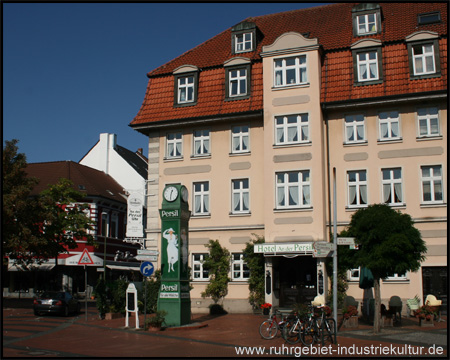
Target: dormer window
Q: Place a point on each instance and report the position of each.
(423, 55)
(185, 85)
(366, 19)
(429, 18)
(243, 37)
(237, 78)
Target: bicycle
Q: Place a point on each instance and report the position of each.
(319, 329)
(269, 327)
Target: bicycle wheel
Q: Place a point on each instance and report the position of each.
(291, 331)
(329, 331)
(307, 334)
(268, 329)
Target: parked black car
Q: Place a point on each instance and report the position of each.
(58, 302)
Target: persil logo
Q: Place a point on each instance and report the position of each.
(165, 287)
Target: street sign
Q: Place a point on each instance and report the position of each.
(147, 268)
(322, 248)
(346, 241)
(146, 257)
(148, 252)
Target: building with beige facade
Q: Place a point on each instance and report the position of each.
(254, 121)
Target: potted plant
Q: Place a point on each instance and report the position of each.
(266, 308)
(426, 315)
(350, 314)
(155, 322)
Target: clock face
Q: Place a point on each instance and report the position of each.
(184, 194)
(171, 193)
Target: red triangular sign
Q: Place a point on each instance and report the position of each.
(85, 258)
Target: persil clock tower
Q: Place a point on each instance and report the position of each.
(174, 295)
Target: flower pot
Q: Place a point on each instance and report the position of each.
(266, 311)
(351, 322)
(426, 322)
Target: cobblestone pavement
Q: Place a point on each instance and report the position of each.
(232, 335)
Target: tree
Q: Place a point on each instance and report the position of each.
(255, 263)
(218, 264)
(36, 228)
(388, 244)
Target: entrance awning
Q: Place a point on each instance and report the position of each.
(14, 266)
(123, 267)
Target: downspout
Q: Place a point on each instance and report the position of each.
(325, 117)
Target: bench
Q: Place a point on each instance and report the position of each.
(413, 304)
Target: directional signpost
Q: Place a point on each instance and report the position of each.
(322, 248)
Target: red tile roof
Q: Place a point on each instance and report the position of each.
(332, 26)
(95, 182)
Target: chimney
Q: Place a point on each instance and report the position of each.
(139, 151)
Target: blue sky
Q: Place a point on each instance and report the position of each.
(74, 70)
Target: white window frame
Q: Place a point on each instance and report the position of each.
(235, 77)
(354, 123)
(435, 182)
(242, 268)
(240, 196)
(201, 138)
(430, 118)
(351, 274)
(366, 24)
(201, 199)
(297, 123)
(243, 42)
(359, 186)
(240, 138)
(392, 186)
(389, 120)
(187, 88)
(422, 59)
(105, 224)
(284, 187)
(300, 68)
(397, 277)
(367, 64)
(177, 143)
(199, 263)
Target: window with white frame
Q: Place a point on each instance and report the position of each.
(237, 82)
(201, 198)
(396, 277)
(186, 89)
(357, 188)
(243, 42)
(198, 272)
(293, 189)
(389, 125)
(431, 178)
(240, 137)
(428, 122)
(367, 24)
(290, 71)
(240, 196)
(354, 129)
(105, 224)
(174, 142)
(114, 225)
(353, 274)
(392, 186)
(240, 270)
(367, 64)
(291, 129)
(201, 142)
(423, 59)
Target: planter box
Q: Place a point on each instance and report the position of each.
(111, 316)
(351, 322)
(426, 323)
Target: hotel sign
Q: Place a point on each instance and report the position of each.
(283, 248)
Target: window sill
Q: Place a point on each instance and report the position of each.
(356, 143)
(397, 205)
(390, 141)
(433, 205)
(368, 82)
(297, 209)
(244, 153)
(299, 144)
(199, 281)
(396, 281)
(239, 281)
(355, 208)
(197, 157)
(429, 137)
(293, 86)
(170, 159)
(200, 216)
(240, 214)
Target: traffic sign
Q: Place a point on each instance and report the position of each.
(147, 268)
(147, 252)
(146, 258)
(346, 241)
(85, 258)
(322, 248)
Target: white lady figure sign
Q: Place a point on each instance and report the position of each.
(172, 248)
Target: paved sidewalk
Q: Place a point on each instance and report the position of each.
(232, 335)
